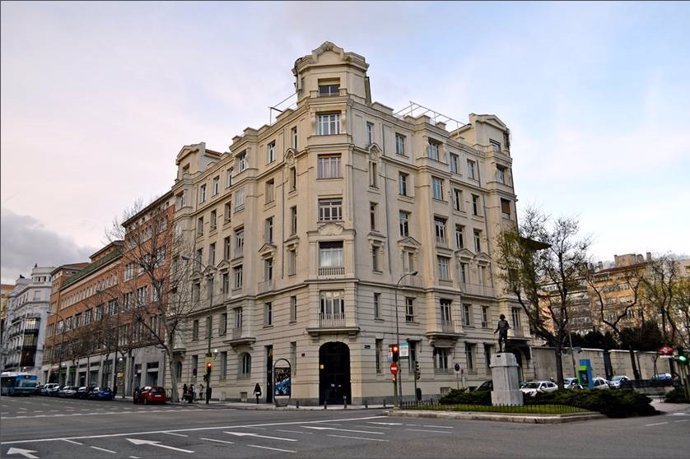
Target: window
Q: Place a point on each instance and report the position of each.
(268, 230)
(332, 304)
(226, 248)
(459, 236)
(487, 357)
(195, 330)
(454, 160)
(372, 215)
(293, 136)
(330, 209)
(375, 258)
(379, 356)
(408, 261)
(238, 318)
(227, 211)
(443, 263)
(329, 88)
(505, 207)
(270, 191)
(328, 124)
(399, 144)
(293, 309)
(501, 174)
(237, 276)
(467, 314)
(239, 241)
(404, 224)
(495, 146)
(446, 315)
(377, 305)
(216, 185)
(409, 309)
(469, 356)
(196, 291)
(202, 193)
(293, 356)
(214, 220)
(142, 298)
(477, 241)
(268, 314)
(245, 365)
(225, 283)
(463, 273)
(402, 183)
(437, 188)
(200, 226)
(485, 317)
(475, 205)
(228, 178)
(515, 315)
(433, 150)
(440, 360)
(370, 133)
(129, 271)
(209, 289)
(239, 200)
(471, 169)
(373, 174)
(440, 228)
(329, 166)
(457, 199)
(198, 258)
(223, 365)
(293, 178)
(292, 261)
(271, 152)
(293, 220)
(212, 254)
(242, 161)
(268, 269)
(209, 327)
(331, 254)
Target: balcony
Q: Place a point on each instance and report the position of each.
(332, 323)
(239, 336)
(445, 333)
(477, 289)
(332, 271)
(266, 286)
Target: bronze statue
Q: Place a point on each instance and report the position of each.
(502, 329)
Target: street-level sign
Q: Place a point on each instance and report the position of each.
(666, 350)
(394, 368)
(457, 368)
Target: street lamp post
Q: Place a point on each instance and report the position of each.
(209, 332)
(399, 393)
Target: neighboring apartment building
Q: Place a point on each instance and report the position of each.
(27, 311)
(303, 236)
(5, 290)
(95, 336)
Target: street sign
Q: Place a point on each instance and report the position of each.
(457, 368)
(394, 368)
(665, 350)
(404, 350)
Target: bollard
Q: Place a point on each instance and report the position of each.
(297, 404)
(384, 402)
(325, 404)
(344, 402)
(366, 404)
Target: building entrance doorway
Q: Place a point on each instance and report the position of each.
(334, 369)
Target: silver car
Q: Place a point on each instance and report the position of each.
(533, 388)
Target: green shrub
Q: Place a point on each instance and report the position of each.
(465, 397)
(612, 403)
(677, 395)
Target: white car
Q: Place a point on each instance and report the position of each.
(600, 383)
(571, 383)
(533, 388)
(617, 381)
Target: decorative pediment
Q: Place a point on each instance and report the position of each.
(374, 151)
(290, 154)
(409, 243)
(292, 241)
(209, 271)
(376, 238)
(331, 229)
(464, 255)
(483, 259)
(223, 265)
(267, 250)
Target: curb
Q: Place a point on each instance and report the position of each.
(501, 417)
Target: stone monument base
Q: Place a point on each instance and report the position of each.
(504, 373)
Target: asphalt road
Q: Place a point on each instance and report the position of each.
(46, 427)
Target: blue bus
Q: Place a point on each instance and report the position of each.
(18, 383)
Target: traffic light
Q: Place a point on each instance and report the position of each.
(209, 366)
(395, 351)
(682, 357)
(417, 371)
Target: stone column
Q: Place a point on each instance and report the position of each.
(504, 373)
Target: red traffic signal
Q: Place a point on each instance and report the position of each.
(395, 352)
(209, 365)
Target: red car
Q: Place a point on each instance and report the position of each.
(150, 394)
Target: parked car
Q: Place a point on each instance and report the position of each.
(150, 394)
(50, 389)
(662, 377)
(600, 383)
(619, 381)
(533, 388)
(571, 383)
(37, 389)
(67, 391)
(83, 391)
(485, 386)
(100, 393)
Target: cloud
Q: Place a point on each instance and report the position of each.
(25, 242)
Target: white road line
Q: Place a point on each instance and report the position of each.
(219, 441)
(175, 434)
(103, 449)
(248, 434)
(430, 431)
(133, 457)
(373, 427)
(72, 441)
(274, 449)
(440, 427)
(682, 420)
(343, 430)
(656, 424)
(357, 438)
(295, 431)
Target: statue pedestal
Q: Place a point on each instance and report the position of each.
(504, 373)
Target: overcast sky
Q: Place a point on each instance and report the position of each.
(98, 99)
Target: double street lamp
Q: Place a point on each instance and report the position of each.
(209, 331)
(398, 392)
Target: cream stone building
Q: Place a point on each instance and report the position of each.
(306, 236)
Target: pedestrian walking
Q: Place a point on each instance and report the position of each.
(184, 391)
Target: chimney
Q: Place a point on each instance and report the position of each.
(649, 256)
